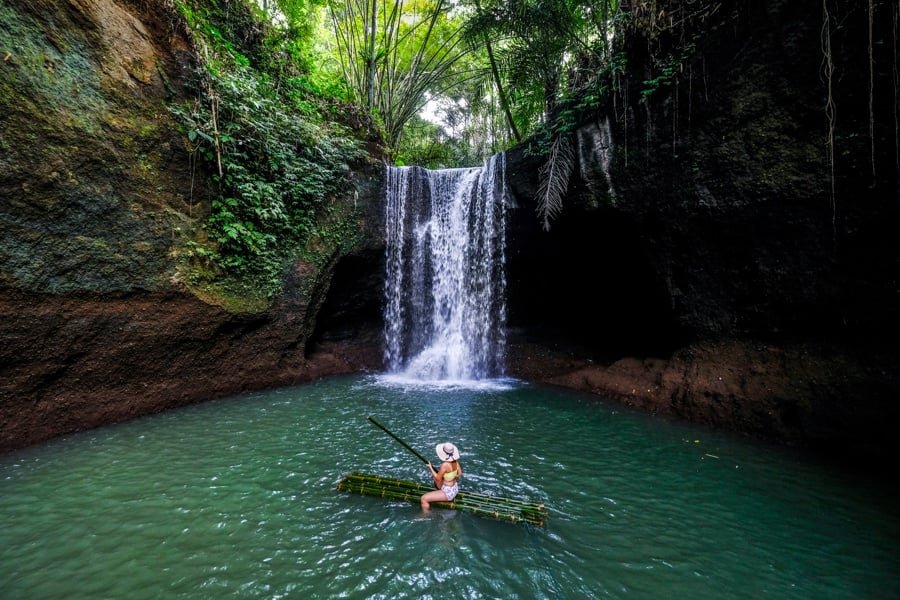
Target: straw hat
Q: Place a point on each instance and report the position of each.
(447, 451)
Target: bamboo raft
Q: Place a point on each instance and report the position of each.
(505, 509)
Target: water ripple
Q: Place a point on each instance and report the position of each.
(237, 498)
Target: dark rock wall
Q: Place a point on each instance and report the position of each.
(92, 171)
(701, 229)
(724, 177)
(737, 178)
(97, 195)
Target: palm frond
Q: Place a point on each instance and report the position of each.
(554, 179)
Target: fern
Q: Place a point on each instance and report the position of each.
(554, 179)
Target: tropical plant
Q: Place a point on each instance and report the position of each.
(554, 179)
(539, 51)
(394, 53)
(275, 163)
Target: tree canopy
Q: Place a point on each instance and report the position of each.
(484, 73)
(289, 88)
(394, 53)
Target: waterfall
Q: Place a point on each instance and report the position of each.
(445, 283)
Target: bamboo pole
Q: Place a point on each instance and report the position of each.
(407, 490)
(404, 444)
(505, 509)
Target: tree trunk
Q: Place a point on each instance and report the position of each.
(370, 74)
(504, 103)
(495, 73)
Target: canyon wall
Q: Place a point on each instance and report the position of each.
(98, 199)
(711, 261)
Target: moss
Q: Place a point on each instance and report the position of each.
(95, 243)
(196, 271)
(338, 231)
(48, 78)
(148, 131)
(81, 161)
(238, 302)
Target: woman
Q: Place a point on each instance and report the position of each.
(446, 479)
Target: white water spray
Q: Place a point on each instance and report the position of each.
(445, 284)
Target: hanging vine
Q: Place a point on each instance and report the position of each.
(872, 86)
(896, 80)
(828, 72)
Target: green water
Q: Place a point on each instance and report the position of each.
(236, 498)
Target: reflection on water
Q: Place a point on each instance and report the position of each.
(236, 497)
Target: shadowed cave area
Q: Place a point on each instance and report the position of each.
(587, 285)
(353, 306)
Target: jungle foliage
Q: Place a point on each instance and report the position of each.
(394, 53)
(442, 83)
(264, 131)
(489, 72)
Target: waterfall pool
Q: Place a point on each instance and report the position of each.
(236, 498)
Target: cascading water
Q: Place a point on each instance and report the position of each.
(445, 283)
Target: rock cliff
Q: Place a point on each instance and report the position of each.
(708, 233)
(97, 199)
(726, 254)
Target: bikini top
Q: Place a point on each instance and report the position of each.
(451, 475)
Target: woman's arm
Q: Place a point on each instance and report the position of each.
(439, 474)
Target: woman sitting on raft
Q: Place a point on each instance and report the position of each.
(446, 479)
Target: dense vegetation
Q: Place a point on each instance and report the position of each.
(281, 81)
(445, 82)
(272, 146)
(440, 83)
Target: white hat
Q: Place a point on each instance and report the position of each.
(447, 451)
